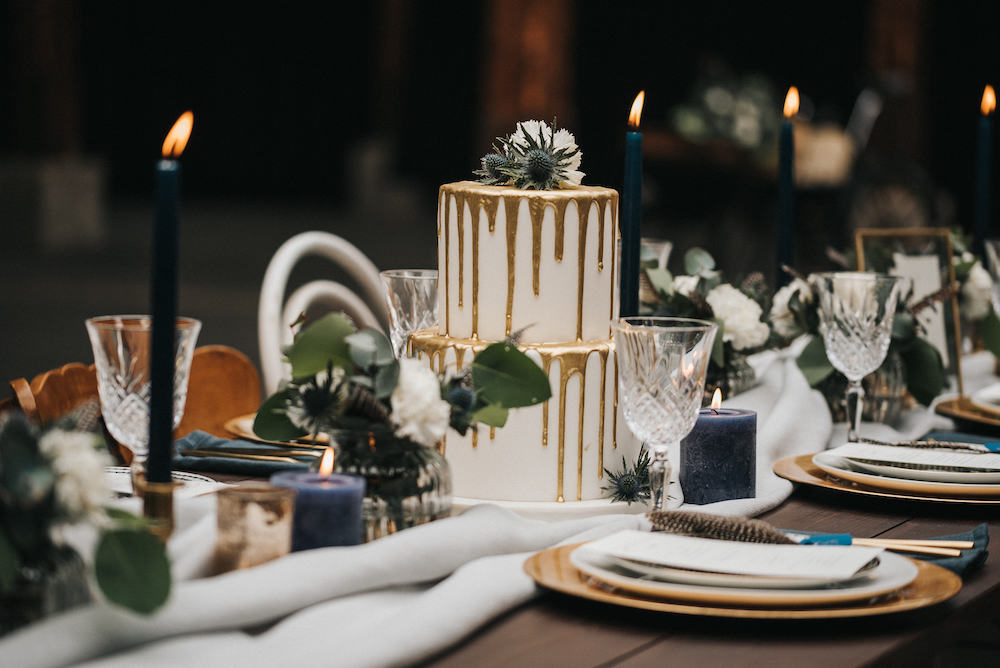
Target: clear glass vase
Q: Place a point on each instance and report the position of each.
(737, 377)
(406, 483)
(54, 582)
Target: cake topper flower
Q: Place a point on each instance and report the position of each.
(535, 156)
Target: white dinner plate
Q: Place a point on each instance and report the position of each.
(710, 579)
(119, 479)
(930, 475)
(893, 572)
(988, 398)
(843, 469)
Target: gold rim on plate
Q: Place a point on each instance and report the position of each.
(802, 470)
(552, 569)
(241, 426)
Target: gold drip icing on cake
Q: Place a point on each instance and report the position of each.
(572, 358)
(447, 258)
(510, 205)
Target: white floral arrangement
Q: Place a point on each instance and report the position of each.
(702, 293)
(535, 156)
(52, 479)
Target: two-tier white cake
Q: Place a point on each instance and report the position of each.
(540, 265)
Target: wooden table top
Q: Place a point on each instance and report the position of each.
(560, 630)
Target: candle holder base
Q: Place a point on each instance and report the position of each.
(157, 505)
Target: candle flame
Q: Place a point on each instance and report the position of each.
(717, 399)
(177, 138)
(326, 464)
(989, 102)
(636, 112)
(792, 102)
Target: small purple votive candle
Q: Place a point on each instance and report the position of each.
(327, 508)
(719, 457)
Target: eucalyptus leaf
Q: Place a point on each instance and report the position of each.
(504, 375)
(320, 344)
(661, 280)
(926, 376)
(813, 362)
(271, 422)
(10, 562)
(718, 345)
(698, 262)
(386, 379)
(362, 349)
(989, 332)
(132, 569)
(492, 415)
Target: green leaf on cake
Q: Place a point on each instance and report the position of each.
(319, 344)
(132, 569)
(504, 375)
(492, 415)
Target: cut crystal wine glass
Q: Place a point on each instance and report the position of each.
(122, 347)
(412, 297)
(661, 377)
(855, 317)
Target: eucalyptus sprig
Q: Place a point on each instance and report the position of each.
(347, 379)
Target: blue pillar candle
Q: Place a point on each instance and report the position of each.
(786, 189)
(718, 459)
(164, 300)
(631, 214)
(327, 508)
(984, 169)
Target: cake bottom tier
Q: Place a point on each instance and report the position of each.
(556, 451)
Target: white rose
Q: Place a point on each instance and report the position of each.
(81, 485)
(782, 318)
(685, 284)
(418, 411)
(740, 317)
(977, 293)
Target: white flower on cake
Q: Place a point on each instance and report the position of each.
(534, 157)
(418, 411)
(81, 486)
(740, 317)
(781, 317)
(977, 293)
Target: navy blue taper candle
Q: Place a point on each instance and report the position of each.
(984, 170)
(786, 190)
(631, 214)
(164, 301)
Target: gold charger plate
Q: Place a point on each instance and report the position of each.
(963, 409)
(802, 470)
(242, 427)
(552, 569)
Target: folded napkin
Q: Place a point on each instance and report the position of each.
(970, 559)
(199, 440)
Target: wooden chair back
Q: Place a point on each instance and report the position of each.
(223, 384)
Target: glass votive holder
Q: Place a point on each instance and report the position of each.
(254, 525)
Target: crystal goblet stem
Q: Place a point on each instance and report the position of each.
(659, 475)
(855, 405)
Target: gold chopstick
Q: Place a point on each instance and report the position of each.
(230, 455)
(906, 547)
